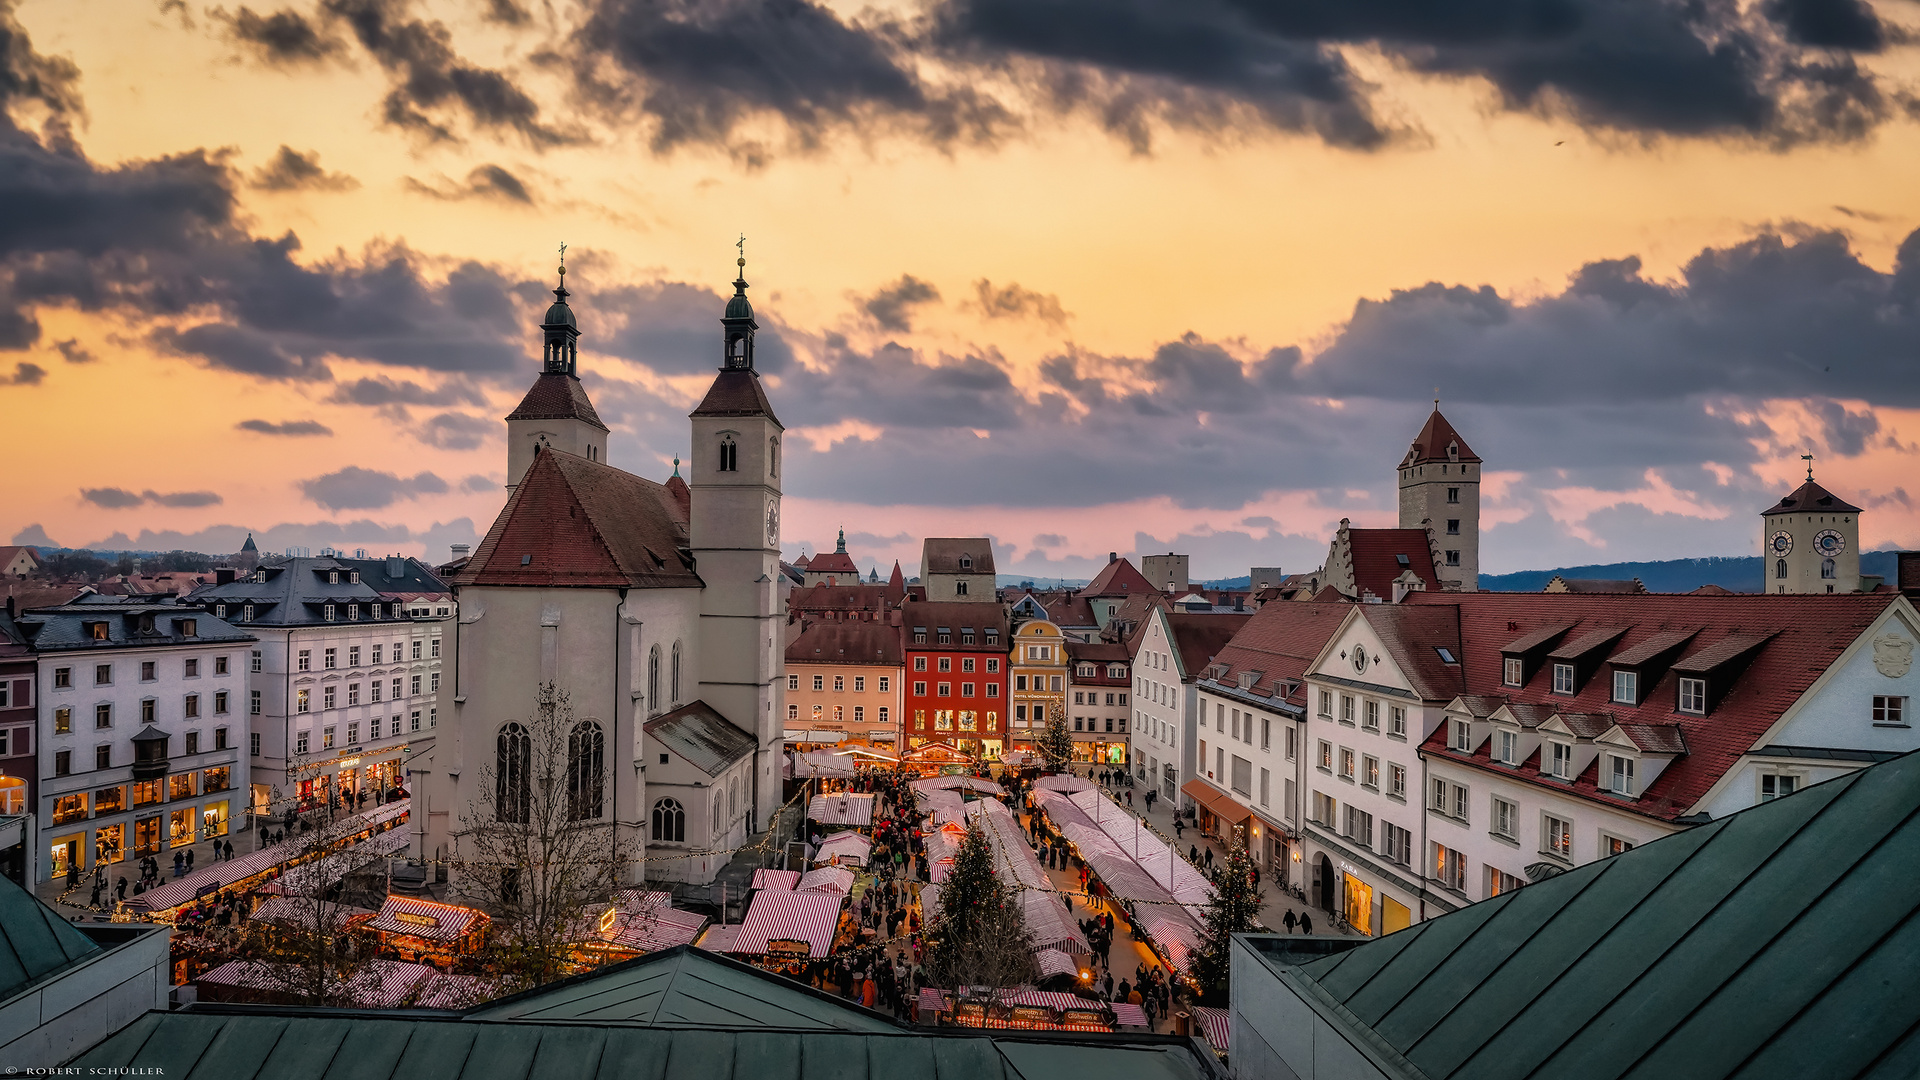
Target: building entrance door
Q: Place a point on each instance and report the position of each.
(1324, 874)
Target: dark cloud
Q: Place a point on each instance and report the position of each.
(891, 308)
(35, 535)
(1049, 540)
(283, 38)
(477, 483)
(670, 326)
(429, 80)
(456, 431)
(73, 352)
(285, 427)
(291, 170)
(380, 390)
(355, 488)
(1012, 301)
(1779, 73)
(345, 535)
(1838, 24)
(113, 498)
(506, 13)
(24, 374)
(484, 182)
(699, 69)
(25, 75)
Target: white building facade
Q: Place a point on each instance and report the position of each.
(141, 730)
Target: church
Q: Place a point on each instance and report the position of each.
(654, 606)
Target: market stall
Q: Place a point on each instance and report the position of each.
(767, 878)
(1214, 1026)
(845, 848)
(639, 921)
(842, 808)
(786, 924)
(427, 929)
(833, 879)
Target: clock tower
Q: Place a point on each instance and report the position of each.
(734, 529)
(1810, 541)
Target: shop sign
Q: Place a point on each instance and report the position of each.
(789, 947)
(1349, 869)
(416, 920)
(1033, 1014)
(1083, 1016)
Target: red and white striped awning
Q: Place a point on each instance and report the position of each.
(785, 880)
(842, 808)
(1214, 1025)
(426, 919)
(1127, 1014)
(812, 917)
(831, 879)
(847, 846)
(1054, 962)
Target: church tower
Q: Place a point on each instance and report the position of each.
(1440, 492)
(734, 528)
(1811, 541)
(556, 411)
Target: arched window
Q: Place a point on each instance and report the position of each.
(669, 822)
(733, 798)
(586, 771)
(1826, 568)
(512, 762)
(1780, 568)
(653, 681)
(676, 673)
(719, 823)
(729, 454)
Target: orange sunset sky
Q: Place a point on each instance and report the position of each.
(1084, 275)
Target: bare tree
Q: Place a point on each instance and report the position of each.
(541, 844)
(303, 949)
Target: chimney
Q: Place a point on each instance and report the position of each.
(224, 575)
(1907, 572)
(1113, 556)
(460, 552)
(396, 567)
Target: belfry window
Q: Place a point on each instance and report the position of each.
(1826, 568)
(1780, 568)
(729, 455)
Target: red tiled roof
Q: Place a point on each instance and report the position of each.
(1069, 611)
(736, 393)
(1376, 559)
(1199, 637)
(846, 643)
(956, 615)
(1656, 738)
(1098, 652)
(1118, 578)
(1810, 498)
(1431, 443)
(833, 562)
(1414, 637)
(574, 522)
(1596, 585)
(556, 396)
(1791, 641)
(1279, 642)
(941, 555)
(843, 597)
(682, 497)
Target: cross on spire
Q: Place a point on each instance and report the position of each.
(1808, 458)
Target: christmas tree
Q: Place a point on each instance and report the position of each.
(1056, 742)
(1234, 909)
(980, 937)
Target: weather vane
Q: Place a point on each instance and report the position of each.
(563, 258)
(1808, 458)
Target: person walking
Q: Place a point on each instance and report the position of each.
(120, 888)
(1129, 798)
(179, 864)
(1290, 921)
(1306, 923)
(1209, 858)
(1176, 826)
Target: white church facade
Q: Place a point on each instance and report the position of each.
(653, 606)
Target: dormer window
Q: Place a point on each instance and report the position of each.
(1620, 775)
(246, 613)
(1693, 696)
(993, 636)
(1563, 678)
(1510, 671)
(1561, 765)
(1460, 737)
(946, 635)
(189, 627)
(1626, 687)
(919, 635)
(966, 562)
(333, 577)
(1507, 746)
(1453, 451)
(326, 613)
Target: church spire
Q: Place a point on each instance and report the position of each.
(841, 546)
(559, 356)
(738, 320)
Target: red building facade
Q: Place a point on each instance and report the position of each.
(956, 675)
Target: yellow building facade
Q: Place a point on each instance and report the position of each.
(1037, 670)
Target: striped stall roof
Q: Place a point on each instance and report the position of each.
(426, 919)
(1213, 1025)
(842, 808)
(812, 917)
(765, 878)
(832, 879)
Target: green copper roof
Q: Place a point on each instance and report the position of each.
(1779, 941)
(34, 940)
(687, 987)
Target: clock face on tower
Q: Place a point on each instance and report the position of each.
(1782, 542)
(1829, 543)
(773, 525)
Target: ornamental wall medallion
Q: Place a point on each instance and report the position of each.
(1892, 655)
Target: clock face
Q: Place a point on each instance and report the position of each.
(1829, 543)
(773, 524)
(1359, 660)
(1782, 542)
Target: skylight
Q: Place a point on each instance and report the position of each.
(1446, 655)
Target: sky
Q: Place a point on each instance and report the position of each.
(1083, 275)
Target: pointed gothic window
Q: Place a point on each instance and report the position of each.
(729, 455)
(676, 673)
(653, 681)
(773, 457)
(669, 822)
(512, 761)
(1780, 568)
(586, 771)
